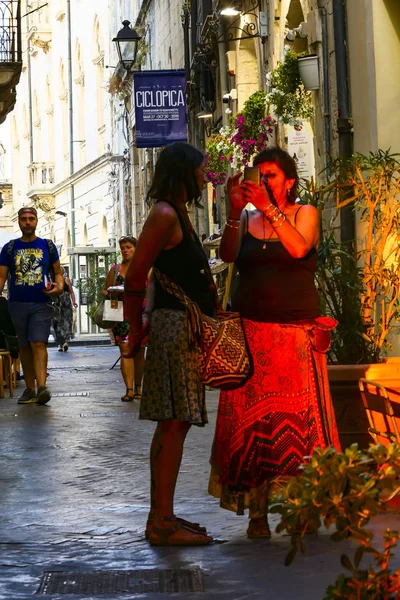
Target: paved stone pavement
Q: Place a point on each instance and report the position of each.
(74, 497)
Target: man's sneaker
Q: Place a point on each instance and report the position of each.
(43, 395)
(28, 397)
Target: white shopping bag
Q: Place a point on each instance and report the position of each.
(113, 311)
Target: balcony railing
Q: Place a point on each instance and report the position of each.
(41, 180)
(41, 175)
(10, 31)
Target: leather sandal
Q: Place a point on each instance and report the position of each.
(194, 527)
(259, 528)
(162, 536)
(128, 397)
(138, 392)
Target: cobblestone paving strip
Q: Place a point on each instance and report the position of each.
(70, 394)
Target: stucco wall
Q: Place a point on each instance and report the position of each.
(386, 15)
(374, 63)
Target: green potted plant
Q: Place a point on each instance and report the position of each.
(361, 290)
(235, 144)
(249, 130)
(344, 491)
(309, 71)
(287, 99)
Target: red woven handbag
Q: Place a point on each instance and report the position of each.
(224, 360)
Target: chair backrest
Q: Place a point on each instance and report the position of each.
(382, 406)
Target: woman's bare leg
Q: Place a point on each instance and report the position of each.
(139, 367)
(165, 461)
(127, 370)
(167, 456)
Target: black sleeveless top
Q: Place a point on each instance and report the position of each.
(184, 264)
(273, 286)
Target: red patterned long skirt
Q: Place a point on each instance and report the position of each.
(266, 428)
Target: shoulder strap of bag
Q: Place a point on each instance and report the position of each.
(192, 309)
(195, 238)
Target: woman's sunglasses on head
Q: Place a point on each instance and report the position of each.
(127, 238)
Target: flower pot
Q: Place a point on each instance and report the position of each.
(309, 71)
(350, 414)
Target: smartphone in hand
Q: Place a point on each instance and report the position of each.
(252, 174)
(48, 284)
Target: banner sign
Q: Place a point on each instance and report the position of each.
(301, 148)
(160, 108)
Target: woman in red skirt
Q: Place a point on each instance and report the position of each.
(266, 428)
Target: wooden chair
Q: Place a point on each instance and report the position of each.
(6, 372)
(382, 406)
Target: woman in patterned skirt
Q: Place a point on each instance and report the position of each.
(266, 428)
(173, 395)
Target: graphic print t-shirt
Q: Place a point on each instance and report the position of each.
(28, 265)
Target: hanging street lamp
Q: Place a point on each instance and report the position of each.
(127, 45)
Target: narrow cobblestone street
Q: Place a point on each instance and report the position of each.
(74, 498)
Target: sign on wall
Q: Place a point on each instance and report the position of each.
(160, 108)
(301, 147)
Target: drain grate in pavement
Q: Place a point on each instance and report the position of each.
(70, 394)
(139, 581)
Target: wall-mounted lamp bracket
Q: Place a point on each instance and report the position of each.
(237, 28)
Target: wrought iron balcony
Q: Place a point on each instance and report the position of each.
(10, 54)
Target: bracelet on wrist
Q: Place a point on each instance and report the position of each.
(275, 224)
(270, 212)
(275, 216)
(233, 219)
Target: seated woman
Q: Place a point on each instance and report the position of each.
(266, 428)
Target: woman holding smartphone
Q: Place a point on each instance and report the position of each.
(266, 428)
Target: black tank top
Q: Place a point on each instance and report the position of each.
(184, 264)
(273, 286)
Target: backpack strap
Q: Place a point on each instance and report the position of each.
(51, 249)
(10, 248)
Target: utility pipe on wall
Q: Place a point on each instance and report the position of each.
(29, 74)
(75, 259)
(344, 122)
(325, 68)
(71, 124)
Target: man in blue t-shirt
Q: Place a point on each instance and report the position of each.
(32, 267)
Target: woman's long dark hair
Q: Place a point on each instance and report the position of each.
(285, 162)
(174, 170)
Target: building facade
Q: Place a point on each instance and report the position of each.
(72, 148)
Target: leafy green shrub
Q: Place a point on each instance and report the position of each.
(344, 490)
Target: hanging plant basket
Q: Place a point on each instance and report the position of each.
(309, 71)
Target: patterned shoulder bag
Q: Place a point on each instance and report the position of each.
(224, 359)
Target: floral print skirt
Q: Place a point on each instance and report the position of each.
(62, 318)
(171, 387)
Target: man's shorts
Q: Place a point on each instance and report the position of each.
(32, 321)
